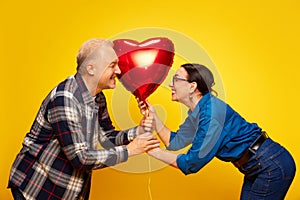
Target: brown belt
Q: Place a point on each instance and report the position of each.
(251, 150)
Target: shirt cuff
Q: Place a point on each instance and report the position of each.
(122, 154)
(132, 133)
(170, 147)
(181, 164)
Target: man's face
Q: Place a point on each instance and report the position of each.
(108, 69)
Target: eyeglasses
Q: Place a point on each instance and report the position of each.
(177, 78)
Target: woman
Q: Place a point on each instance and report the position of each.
(215, 130)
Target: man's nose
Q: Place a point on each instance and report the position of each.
(117, 71)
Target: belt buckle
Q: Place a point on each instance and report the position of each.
(256, 144)
(252, 150)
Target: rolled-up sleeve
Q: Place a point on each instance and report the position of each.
(185, 134)
(204, 147)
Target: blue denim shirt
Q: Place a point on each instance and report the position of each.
(214, 129)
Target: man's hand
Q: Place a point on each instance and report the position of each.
(142, 143)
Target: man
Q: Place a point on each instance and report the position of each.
(60, 151)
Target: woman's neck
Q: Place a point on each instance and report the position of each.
(192, 103)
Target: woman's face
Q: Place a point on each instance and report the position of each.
(180, 86)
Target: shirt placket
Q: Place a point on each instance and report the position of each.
(93, 127)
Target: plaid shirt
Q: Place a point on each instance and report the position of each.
(60, 151)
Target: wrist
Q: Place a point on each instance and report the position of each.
(158, 125)
(139, 130)
(155, 152)
(129, 152)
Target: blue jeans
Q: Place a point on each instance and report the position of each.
(269, 173)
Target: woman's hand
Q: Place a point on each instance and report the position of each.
(145, 107)
(148, 124)
(163, 132)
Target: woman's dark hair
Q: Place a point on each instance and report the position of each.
(201, 75)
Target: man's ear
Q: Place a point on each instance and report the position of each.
(90, 69)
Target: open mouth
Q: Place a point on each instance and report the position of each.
(113, 77)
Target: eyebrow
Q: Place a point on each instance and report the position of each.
(177, 75)
(114, 62)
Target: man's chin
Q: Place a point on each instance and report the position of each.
(174, 99)
(112, 86)
(108, 87)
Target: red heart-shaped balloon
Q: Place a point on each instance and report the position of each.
(145, 65)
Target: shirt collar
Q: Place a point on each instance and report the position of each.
(204, 99)
(200, 103)
(86, 96)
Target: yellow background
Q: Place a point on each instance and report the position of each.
(254, 45)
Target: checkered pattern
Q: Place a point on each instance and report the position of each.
(60, 151)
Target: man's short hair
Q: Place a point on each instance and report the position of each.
(87, 49)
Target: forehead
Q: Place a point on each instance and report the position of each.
(182, 72)
(108, 54)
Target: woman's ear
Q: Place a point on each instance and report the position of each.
(193, 87)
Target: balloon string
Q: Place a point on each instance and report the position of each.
(149, 179)
(146, 114)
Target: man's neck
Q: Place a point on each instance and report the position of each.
(91, 85)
